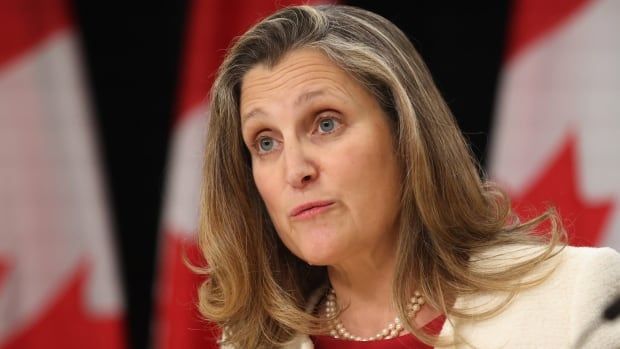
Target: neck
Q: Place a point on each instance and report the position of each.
(363, 287)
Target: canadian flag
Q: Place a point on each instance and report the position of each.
(58, 278)
(557, 133)
(211, 28)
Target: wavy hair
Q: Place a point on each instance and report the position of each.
(256, 289)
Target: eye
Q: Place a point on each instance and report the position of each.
(328, 125)
(265, 144)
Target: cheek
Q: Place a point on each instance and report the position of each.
(369, 172)
(365, 162)
(270, 192)
(262, 184)
(267, 187)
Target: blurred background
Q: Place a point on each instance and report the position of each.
(102, 113)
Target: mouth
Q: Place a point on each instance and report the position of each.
(311, 209)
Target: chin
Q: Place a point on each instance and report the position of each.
(320, 255)
(318, 261)
(317, 246)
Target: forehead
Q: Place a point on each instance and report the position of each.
(299, 72)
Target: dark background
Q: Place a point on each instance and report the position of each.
(132, 54)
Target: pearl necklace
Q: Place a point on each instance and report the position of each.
(337, 329)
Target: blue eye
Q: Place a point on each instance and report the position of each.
(265, 144)
(327, 125)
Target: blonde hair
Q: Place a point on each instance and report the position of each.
(256, 288)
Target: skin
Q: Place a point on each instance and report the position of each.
(315, 134)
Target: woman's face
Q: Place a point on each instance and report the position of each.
(322, 159)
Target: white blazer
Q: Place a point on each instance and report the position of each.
(551, 315)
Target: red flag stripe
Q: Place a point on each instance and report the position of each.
(3, 271)
(24, 24)
(533, 19)
(181, 325)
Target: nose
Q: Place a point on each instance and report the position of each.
(300, 166)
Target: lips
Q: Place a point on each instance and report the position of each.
(310, 208)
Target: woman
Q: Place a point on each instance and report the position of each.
(341, 204)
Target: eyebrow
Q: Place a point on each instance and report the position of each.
(303, 98)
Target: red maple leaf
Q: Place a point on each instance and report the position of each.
(67, 324)
(558, 186)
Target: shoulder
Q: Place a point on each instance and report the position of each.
(569, 262)
(582, 282)
(575, 266)
(592, 282)
(585, 272)
(603, 257)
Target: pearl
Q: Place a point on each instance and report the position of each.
(337, 329)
